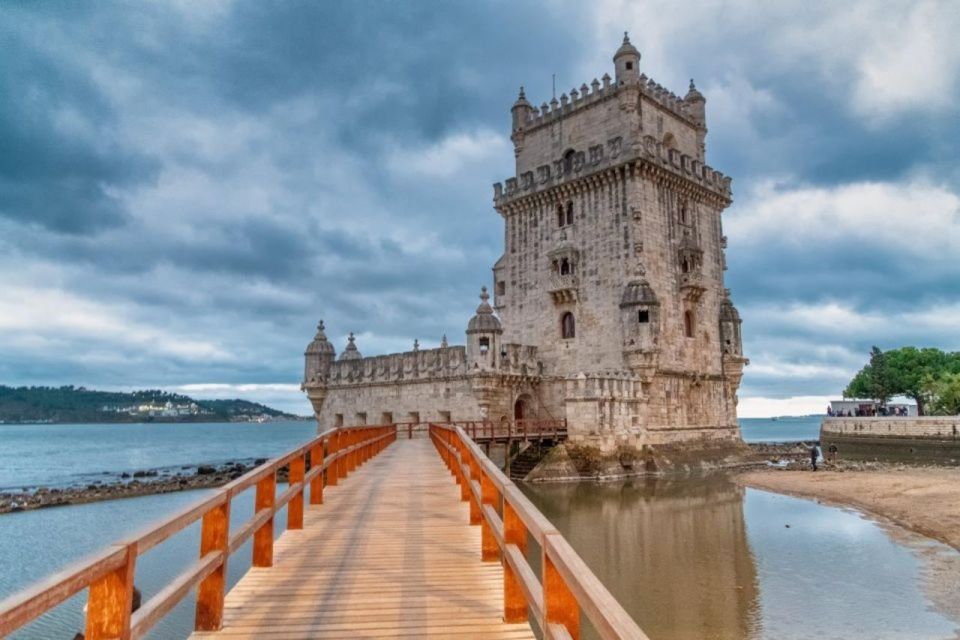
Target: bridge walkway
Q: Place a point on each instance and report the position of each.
(390, 553)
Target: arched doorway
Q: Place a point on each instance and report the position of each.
(523, 407)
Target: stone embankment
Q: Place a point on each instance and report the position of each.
(129, 485)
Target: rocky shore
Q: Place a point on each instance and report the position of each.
(131, 484)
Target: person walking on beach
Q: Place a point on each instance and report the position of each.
(814, 455)
(832, 453)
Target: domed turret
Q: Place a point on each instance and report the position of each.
(696, 105)
(484, 321)
(521, 111)
(730, 322)
(318, 357)
(483, 336)
(627, 62)
(351, 352)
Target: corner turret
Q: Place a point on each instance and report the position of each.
(318, 357)
(483, 336)
(627, 63)
(731, 340)
(696, 105)
(521, 111)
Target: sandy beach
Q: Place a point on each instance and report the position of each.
(922, 499)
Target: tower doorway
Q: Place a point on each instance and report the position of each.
(523, 407)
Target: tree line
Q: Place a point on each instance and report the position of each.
(78, 404)
(929, 376)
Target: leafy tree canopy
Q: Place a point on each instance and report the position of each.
(907, 371)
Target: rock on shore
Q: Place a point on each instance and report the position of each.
(127, 485)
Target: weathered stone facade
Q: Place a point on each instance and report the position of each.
(610, 296)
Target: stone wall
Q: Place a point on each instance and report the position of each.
(938, 427)
(924, 439)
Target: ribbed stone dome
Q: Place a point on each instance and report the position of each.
(728, 312)
(638, 293)
(484, 321)
(320, 344)
(626, 49)
(351, 352)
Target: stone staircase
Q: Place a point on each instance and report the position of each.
(528, 458)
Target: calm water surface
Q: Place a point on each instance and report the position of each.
(704, 558)
(68, 454)
(786, 429)
(691, 558)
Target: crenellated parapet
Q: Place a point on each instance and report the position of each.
(596, 92)
(417, 365)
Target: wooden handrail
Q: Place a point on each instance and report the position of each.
(109, 573)
(506, 518)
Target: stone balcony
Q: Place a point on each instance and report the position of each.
(692, 285)
(563, 288)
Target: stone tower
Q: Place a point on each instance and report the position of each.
(614, 258)
(609, 305)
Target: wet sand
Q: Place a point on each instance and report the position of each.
(923, 499)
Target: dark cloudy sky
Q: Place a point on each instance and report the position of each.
(186, 187)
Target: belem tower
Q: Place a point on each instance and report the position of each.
(608, 307)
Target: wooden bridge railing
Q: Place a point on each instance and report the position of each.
(485, 430)
(506, 518)
(109, 573)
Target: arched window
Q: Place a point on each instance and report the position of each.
(568, 328)
(570, 212)
(564, 267)
(688, 323)
(685, 266)
(568, 161)
(561, 217)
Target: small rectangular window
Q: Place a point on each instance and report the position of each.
(484, 346)
(501, 288)
(643, 316)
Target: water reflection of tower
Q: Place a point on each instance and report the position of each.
(673, 552)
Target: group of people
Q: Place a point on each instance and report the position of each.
(815, 454)
(862, 412)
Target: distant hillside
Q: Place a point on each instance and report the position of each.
(78, 404)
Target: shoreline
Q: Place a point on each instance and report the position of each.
(925, 500)
(131, 485)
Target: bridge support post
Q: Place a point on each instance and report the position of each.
(214, 536)
(560, 605)
(263, 537)
(515, 533)
(111, 600)
(490, 550)
(295, 507)
(316, 484)
(332, 449)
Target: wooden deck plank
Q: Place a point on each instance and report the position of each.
(390, 554)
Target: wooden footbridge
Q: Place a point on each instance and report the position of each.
(388, 548)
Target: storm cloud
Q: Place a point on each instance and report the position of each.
(186, 187)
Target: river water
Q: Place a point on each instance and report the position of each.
(689, 558)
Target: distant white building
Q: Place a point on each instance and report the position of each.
(866, 407)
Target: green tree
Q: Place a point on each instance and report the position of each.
(909, 367)
(874, 380)
(943, 393)
(906, 371)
